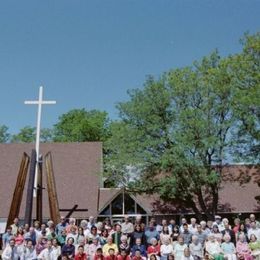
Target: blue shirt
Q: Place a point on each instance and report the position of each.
(149, 234)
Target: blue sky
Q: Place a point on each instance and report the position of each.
(89, 53)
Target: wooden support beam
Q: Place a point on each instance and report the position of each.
(18, 191)
(39, 192)
(51, 186)
(30, 188)
(71, 211)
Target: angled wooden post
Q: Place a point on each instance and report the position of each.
(30, 190)
(39, 192)
(52, 193)
(18, 191)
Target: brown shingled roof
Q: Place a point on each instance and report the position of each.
(76, 168)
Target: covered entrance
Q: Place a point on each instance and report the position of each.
(123, 204)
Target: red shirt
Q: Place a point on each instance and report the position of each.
(137, 258)
(119, 257)
(153, 250)
(236, 228)
(81, 257)
(111, 258)
(96, 257)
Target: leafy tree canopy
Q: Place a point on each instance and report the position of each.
(4, 135)
(80, 125)
(26, 135)
(179, 130)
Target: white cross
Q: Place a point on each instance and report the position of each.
(38, 102)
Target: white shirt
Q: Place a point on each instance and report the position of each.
(56, 252)
(193, 229)
(11, 253)
(46, 254)
(29, 254)
(166, 250)
(255, 231)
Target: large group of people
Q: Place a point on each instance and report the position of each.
(132, 239)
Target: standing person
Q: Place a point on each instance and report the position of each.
(159, 227)
(99, 255)
(81, 255)
(165, 235)
(15, 226)
(252, 218)
(150, 233)
(138, 255)
(218, 223)
(175, 234)
(171, 225)
(109, 245)
(37, 228)
(111, 254)
(213, 248)
(92, 248)
(62, 238)
(154, 248)
(72, 223)
(187, 254)
(201, 235)
(11, 251)
(31, 235)
(196, 248)
(254, 245)
(47, 252)
(93, 234)
(124, 245)
(186, 234)
(228, 248)
(56, 249)
(68, 249)
(117, 235)
(29, 252)
(215, 232)
(123, 255)
(166, 249)
(138, 220)
(242, 230)
(7, 237)
(183, 221)
(228, 231)
(138, 233)
(254, 230)
(103, 237)
(80, 236)
(179, 248)
(138, 246)
(242, 248)
(41, 242)
(61, 226)
(127, 226)
(91, 222)
(206, 226)
(19, 238)
(193, 226)
(50, 227)
(236, 225)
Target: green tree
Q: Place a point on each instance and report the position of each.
(4, 135)
(180, 130)
(26, 135)
(46, 135)
(80, 125)
(246, 75)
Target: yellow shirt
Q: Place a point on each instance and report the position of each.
(106, 248)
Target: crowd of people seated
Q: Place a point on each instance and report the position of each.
(134, 240)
